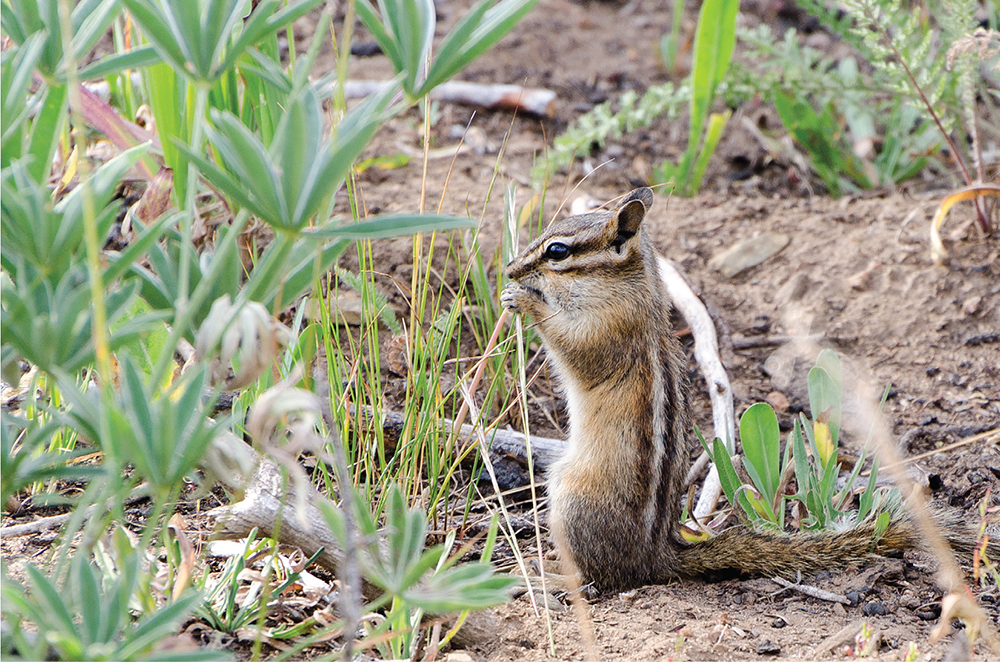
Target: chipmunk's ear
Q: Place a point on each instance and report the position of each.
(643, 195)
(626, 221)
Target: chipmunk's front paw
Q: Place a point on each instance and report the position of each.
(515, 297)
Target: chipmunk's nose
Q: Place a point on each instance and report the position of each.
(516, 269)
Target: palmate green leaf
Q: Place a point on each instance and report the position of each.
(406, 534)
(468, 586)
(218, 21)
(26, 463)
(157, 29)
(249, 177)
(89, 20)
(472, 36)
(295, 155)
(761, 438)
(287, 185)
(137, 58)
(393, 225)
(168, 438)
(47, 236)
(386, 41)
(261, 24)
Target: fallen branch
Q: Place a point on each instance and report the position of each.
(812, 591)
(531, 100)
(706, 353)
(502, 443)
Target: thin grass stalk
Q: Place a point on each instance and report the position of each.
(525, 425)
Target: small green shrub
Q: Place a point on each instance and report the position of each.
(815, 468)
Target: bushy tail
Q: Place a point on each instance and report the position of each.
(742, 552)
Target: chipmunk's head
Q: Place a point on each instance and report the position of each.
(585, 268)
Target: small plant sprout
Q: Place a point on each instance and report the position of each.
(810, 456)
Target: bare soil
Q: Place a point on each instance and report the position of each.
(856, 276)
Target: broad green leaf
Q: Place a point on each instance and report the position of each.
(731, 483)
(825, 398)
(761, 438)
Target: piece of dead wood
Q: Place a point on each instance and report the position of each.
(502, 443)
(706, 353)
(812, 591)
(532, 100)
(55, 521)
(37, 526)
(742, 342)
(267, 505)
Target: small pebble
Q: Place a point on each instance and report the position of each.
(778, 400)
(971, 305)
(749, 253)
(768, 648)
(778, 623)
(854, 597)
(874, 608)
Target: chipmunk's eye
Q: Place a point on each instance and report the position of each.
(556, 251)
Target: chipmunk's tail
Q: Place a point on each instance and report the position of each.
(743, 552)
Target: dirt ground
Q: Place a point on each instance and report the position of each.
(856, 276)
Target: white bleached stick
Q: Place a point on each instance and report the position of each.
(706, 353)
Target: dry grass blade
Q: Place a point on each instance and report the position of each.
(938, 252)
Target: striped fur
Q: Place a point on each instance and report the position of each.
(614, 498)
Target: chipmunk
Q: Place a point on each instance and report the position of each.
(591, 284)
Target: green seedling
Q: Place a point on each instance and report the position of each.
(810, 455)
